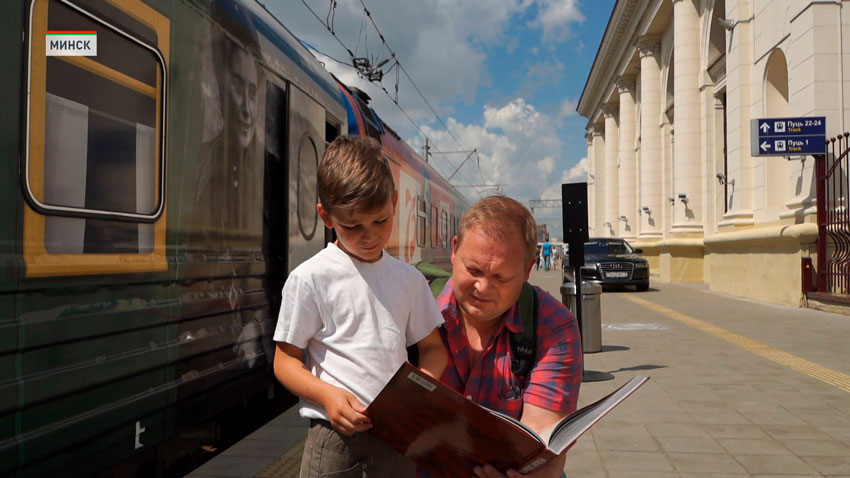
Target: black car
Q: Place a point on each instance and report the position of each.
(612, 261)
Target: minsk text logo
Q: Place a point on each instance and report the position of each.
(71, 43)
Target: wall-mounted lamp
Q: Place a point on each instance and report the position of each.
(727, 24)
(722, 179)
(647, 210)
(683, 197)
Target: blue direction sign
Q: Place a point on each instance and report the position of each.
(788, 136)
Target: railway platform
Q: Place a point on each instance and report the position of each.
(738, 388)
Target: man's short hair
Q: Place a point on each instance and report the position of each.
(502, 218)
(354, 174)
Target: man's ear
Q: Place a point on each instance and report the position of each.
(454, 249)
(326, 218)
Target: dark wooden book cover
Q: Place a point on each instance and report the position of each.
(448, 434)
(442, 431)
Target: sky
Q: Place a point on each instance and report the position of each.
(502, 77)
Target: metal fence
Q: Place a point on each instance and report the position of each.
(833, 216)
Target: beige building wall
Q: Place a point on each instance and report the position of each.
(702, 207)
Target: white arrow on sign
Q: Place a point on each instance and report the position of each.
(765, 127)
(765, 146)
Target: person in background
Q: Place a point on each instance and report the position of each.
(539, 256)
(547, 254)
(492, 256)
(350, 311)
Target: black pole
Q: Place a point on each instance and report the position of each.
(574, 214)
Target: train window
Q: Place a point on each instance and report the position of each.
(95, 150)
(331, 132)
(421, 231)
(308, 192)
(444, 228)
(435, 233)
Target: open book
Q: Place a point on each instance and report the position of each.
(448, 434)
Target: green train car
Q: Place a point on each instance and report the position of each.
(154, 196)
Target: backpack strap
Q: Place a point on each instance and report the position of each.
(524, 344)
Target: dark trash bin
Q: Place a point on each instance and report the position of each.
(591, 312)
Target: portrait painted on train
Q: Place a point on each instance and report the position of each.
(227, 205)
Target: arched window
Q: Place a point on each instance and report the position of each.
(776, 106)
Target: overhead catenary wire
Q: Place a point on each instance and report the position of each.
(415, 125)
(406, 74)
(374, 74)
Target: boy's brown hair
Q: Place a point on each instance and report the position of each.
(354, 174)
(500, 217)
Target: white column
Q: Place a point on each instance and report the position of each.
(599, 180)
(628, 167)
(591, 185)
(612, 139)
(741, 90)
(687, 170)
(651, 195)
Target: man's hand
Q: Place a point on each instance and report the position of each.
(540, 420)
(553, 469)
(345, 411)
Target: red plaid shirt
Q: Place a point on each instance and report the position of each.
(555, 376)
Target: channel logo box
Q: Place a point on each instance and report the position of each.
(71, 43)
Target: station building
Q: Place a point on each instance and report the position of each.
(669, 101)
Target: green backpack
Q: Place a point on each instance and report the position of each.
(523, 344)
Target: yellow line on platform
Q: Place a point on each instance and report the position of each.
(287, 465)
(824, 374)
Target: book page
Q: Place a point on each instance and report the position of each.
(570, 428)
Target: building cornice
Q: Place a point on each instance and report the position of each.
(617, 38)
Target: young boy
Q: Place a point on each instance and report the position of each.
(354, 309)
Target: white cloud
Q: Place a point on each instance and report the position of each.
(555, 17)
(568, 108)
(576, 174)
(546, 165)
(519, 149)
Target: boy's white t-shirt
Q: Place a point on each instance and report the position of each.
(355, 319)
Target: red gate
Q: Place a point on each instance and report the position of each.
(833, 192)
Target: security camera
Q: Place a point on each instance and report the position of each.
(683, 197)
(720, 177)
(624, 219)
(647, 210)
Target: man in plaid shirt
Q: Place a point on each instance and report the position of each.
(492, 257)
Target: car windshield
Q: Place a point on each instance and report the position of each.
(607, 247)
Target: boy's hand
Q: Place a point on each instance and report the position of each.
(345, 412)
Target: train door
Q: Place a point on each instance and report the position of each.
(306, 134)
(275, 197)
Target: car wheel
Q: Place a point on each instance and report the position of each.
(642, 287)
